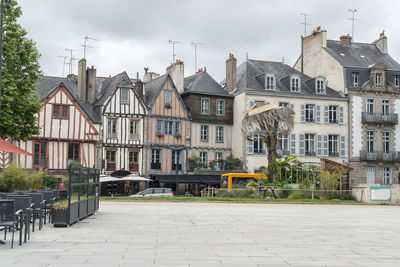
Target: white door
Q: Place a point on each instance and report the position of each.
(370, 175)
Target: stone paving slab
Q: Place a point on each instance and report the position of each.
(217, 234)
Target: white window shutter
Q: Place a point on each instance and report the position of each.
(302, 113)
(341, 115)
(318, 114)
(342, 146)
(301, 145)
(250, 146)
(292, 107)
(326, 115)
(293, 144)
(326, 151)
(319, 145)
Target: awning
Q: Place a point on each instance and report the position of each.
(135, 178)
(190, 178)
(8, 147)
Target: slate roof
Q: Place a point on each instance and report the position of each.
(203, 83)
(361, 55)
(153, 87)
(121, 80)
(250, 77)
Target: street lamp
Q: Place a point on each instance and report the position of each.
(1, 44)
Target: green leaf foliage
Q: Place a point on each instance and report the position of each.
(21, 71)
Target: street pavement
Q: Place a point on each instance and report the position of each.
(217, 234)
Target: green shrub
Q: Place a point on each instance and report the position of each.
(242, 193)
(50, 181)
(13, 178)
(74, 163)
(66, 182)
(296, 195)
(347, 197)
(36, 179)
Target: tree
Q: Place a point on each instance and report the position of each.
(21, 71)
(268, 121)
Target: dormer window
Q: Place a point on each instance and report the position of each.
(295, 84)
(269, 82)
(124, 95)
(320, 86)
(397, 82)
(378, 80)
(354, 78)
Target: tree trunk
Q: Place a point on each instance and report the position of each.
(270, 141)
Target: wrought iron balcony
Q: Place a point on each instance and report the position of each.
(379, 156)
(373, 117)
(195, 165)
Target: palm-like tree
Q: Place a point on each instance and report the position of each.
(268, 121)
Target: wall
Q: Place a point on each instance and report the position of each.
(362, 193)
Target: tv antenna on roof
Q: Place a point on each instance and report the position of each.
(305, 22)
(64, 63)
(86, 39)
(71, 59)
(195, 54)
(173, 48)
(352, 22)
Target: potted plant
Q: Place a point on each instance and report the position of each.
(167, 106)
(178, 135)
(60, 213)
(160, 134)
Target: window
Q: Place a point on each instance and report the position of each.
(178, 127)
(110, 158)
(295, 84)
(60, 112)
(386, 148)
(378, 80)
(258, 145)
(320, 86)
(397, 82)
(220, 107)
(134, 128)
(269, 82)
(218, 159)
(283, 142)
(283, 104)
(219, 136)
(73, 152)
(205, 106)
(204, 133)
(370, 141)
(203, 157)
(176, 160)
(333, 145)
(354, 78)
(387, 176)
(39, 156)
(333, 114)
(155, 159)
(133, 161)
(124, 95)
(169, 127)
(309, 144)
(159, 127)
(112, 127)
(385, 107)
(309, 113)
(167, 97)
(370, 106)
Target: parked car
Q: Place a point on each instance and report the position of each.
(155, 192)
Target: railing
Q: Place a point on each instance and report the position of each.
(379, 156)
(155, 166)
(373, 117)
(214, 165)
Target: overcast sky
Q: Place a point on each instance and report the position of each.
(134, 34)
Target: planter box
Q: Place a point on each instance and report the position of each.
(60, 217)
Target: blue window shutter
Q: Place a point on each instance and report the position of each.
(326, 151)
(293, 144)
(341, 115)
(390, 141)
(374, 141)
(319, 145)
(302, 113)
(342, 146)
(326, 115)
(301, 145)
(251, 103)
(318, 114)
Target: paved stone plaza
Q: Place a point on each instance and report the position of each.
(218, 234)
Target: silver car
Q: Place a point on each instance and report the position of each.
(155, 192)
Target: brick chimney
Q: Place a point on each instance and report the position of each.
(91, 84)
(345, 40)
(177, 71)
(381, 43)
(139, 88)
(231, 63)
(82, 94)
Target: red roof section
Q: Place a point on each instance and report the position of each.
(8, 147)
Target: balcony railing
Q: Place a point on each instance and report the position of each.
(373, 117)
(214, 165)
(379, 156)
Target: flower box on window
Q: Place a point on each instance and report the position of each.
(167, 106)
(160, 134)
(178, 135)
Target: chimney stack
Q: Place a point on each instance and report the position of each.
(177, 72)
(231, 73)
(381, 43)
(139, 88)
(82, 94)
(91, 85)
(345, 40)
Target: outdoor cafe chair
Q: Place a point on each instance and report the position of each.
(23, 202)
(8, 217)
(37, 209)
(48, 204)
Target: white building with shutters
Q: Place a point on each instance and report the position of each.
(320, 120)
